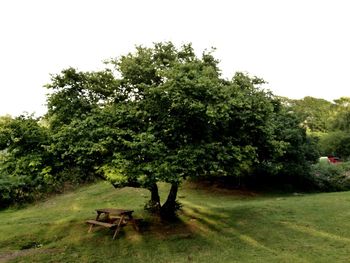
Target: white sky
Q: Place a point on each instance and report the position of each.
(301, 47)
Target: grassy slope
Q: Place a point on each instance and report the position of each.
(214, 227)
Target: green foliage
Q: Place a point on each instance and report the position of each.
(319, 115)
(290, 165)
(9, 186)
(341, 115)
(326, 121)
(28, 166)
(184, 120)
(335, 143)
(337, 140)
(74, 94)
(331, 177)
(113, 175)
(300, 150)
(25, 164)
(314, 113)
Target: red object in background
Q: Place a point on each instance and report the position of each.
(334, 159)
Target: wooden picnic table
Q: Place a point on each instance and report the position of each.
(113, 218)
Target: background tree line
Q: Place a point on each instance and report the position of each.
(165, 114)
(328, 122)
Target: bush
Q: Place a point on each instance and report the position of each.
(17, 189)
(331, 177)
(28, 170)
(8, 189)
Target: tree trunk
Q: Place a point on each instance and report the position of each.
(168, 210)
(154, 204)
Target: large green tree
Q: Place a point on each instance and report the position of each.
(161, 115)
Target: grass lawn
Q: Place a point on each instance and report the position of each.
(214, 226)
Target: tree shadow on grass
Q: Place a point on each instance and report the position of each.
(284, 236)
(239, 226)
(309, 230)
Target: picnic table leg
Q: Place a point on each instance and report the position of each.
(91, 225)
(98, 215)
(121, 220)
(90, 228)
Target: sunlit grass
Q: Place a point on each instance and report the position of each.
(214, 226)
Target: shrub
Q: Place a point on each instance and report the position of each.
(331, 177)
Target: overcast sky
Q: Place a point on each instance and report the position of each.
(301, 47)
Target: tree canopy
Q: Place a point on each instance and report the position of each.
(163, 114)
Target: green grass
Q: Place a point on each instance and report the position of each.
(214, 226)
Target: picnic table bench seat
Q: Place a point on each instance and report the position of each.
(104, 224)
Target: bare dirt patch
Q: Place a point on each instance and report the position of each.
(9, 255)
